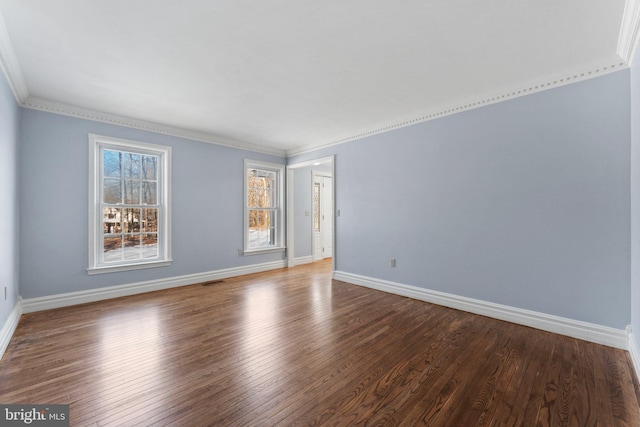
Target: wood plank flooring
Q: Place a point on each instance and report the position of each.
(293, 347)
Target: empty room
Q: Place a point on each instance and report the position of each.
(286, 213)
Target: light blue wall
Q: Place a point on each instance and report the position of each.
(9, 189)
(524, 203)
(635, 197)
(207, 206)
(302, 204)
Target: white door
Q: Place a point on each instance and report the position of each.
(327, 217)
(322, 217)
(317, 218)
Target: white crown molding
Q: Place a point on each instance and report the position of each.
(527, 89)
(573, 328)
(49, 106)
(84, 113)
(628, 37)
(10, 65)
(10, 326)
(447, 110)
(49, 302)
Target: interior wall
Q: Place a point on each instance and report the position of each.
(635, 196)
(207, 206)
(523, 203)
(9, 190)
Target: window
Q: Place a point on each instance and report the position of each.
(316, 207)
(129, 224)
(263, 207)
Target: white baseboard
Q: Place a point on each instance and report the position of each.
(48, 302)
(634, 351)
(10, 327)
(574, 328)
(303, 260)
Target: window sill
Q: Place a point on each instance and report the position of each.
(263, 251)
(127, 267)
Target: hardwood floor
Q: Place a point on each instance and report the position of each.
(293, 347)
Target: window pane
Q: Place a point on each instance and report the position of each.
(111, 162)
(150, 167)
(264, 237)
(131, 220)
(150, 220)
(253, 219)
(262, 199)
(132, 247)
(149, 193)
(149, 246)
(252, 199)
(131, 192)
(111, 191)
(268, 197)
(258, 237)
(261, 180)
(265, 219)
(112, 220)
(112, 248)
(316, 207)
(131, 165)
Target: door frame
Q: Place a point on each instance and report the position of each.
(290, 203)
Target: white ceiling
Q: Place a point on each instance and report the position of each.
(285, 75)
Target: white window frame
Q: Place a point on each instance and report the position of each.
(97, 144)
(279, 237)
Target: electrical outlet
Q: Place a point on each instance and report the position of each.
(338, 212)
(393, 262)
(240, 252)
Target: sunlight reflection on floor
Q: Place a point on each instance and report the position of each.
(121, 352)
(261, 326)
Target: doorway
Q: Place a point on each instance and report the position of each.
(307, 237)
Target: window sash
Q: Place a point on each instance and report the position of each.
(144, 227)
(131, 179)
